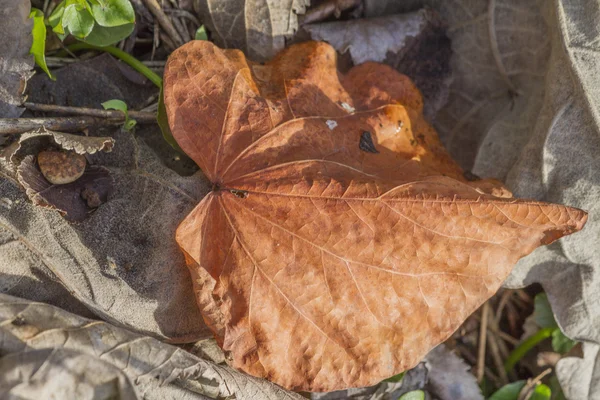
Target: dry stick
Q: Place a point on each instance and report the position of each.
(327, 9)
(164, 21)
(11, 126)
(531, 383)
(471, 358)
(495, 347)
(181, 29)
(497, 359)
(139, 116)
(165, 38)
(506, 295)
(482, 340)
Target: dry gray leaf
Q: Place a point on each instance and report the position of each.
(524, 108)
(449, 376)
(93, 357)
(414, 43)
(257, 27)
(66, 374)
(74, 200)
(31, 143)
(443, 375)
(122, 262)
(15, 62)
(580, 377)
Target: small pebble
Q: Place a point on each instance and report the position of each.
(61, 167)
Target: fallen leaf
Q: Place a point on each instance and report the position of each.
(449, 376)
(31, 143)
(259, 28)
(118, 262)
(16, 64)
(326, 266)
(524, 108)
(48, 350)
(76, 199)
(405, 41)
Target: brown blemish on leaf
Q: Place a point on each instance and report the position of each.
(338, 269)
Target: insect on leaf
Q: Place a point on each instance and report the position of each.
(347, 257)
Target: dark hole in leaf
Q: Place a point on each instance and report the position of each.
(471, 176)
(366, 143)
(242, 194)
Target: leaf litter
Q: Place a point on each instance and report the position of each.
(302, 220)
(479, 107)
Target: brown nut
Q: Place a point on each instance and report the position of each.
(61, 167)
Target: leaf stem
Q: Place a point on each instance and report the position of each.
(519, 352)
(123, 56)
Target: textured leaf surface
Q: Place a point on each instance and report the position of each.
(15, 62)
(120, 262)
(340, 242)
(544, 142)
(48, 350)
(258, 27)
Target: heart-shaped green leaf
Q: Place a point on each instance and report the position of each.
(112, 13)
(78, 20)
(104, 36)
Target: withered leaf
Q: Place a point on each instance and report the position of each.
(338, 267)
(74, 200)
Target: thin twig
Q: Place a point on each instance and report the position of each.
(140, 117)
(164, 21)
(531, 383)
(504, 298)
(12, 126)
(472, 359)
(497, 359)
(494, 345)
(482, 341)
(177, 23)
(327, 9)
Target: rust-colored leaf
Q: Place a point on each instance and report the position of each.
(340, 242)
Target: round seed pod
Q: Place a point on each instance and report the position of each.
(61, 167)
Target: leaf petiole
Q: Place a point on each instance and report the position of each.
(123, 56)
(519, 352)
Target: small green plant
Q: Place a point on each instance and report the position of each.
(38, 44)
(120, 106)
(413, 395)
(544, 318)
(201, 33)
(96, 22)
(513, 390)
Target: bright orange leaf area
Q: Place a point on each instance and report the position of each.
(341, 242)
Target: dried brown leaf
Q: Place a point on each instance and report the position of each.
(340, 242)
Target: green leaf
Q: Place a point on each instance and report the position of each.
(508, 392)
(78, 20)
(163, 123)
(110, 13)
(557, 393)
(103, 36)
(395, 378)
(541, 392)
(542, 312)
(201, 33)
(560, 343)
(120, 105)
(55, 19)
(413, 395)
(38, 45)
